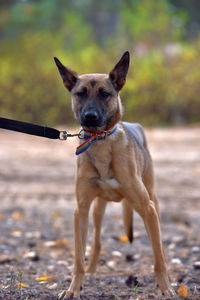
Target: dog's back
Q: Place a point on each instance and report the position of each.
(137, 132)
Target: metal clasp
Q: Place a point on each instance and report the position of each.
(81, 134)
(63, 135)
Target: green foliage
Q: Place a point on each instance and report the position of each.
(152, 22)
(163, 88)
(30, 87)
(89, 36)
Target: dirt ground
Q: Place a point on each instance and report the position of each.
(36, 221)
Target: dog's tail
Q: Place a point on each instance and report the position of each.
(128, 220)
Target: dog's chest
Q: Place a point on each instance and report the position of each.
(101, 158)
(100, 154)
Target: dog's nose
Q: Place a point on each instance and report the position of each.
(91, 116)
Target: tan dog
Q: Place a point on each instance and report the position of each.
(118, 167)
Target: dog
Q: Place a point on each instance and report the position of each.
(114, 165)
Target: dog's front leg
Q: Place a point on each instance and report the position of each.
(98, 213)
(80, 236)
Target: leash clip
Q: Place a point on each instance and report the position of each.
(81, 134)
(63, 135)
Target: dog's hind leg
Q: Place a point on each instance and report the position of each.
(149, 182)
(153, 197)
(98, 213)
(147, 210)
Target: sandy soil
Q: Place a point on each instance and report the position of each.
(36, 218)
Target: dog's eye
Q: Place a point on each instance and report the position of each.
(104, 94)
(82, 93)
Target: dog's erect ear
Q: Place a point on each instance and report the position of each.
(118, 74)
(69, 77)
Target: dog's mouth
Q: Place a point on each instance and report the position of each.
(95, 129)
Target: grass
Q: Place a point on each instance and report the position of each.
(13, 287)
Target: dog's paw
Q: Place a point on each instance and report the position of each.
(169, 293)
(65, 295)
(165, 286)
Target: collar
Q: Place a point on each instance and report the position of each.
(92, 137)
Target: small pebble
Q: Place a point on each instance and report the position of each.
(137, 256)
(174, 284)
(196, 265)
(62, 262)
(53, 286)
(31, 244)
(111, 264)
(195, 249)
(51, 268)
(32, 255)
(34, 234)
(177, 238)
(176, 261)
(130, 257)
(131, 281)
(102, 262)
(181, 278)
(172, 246)
(116, 253)
(50, 243)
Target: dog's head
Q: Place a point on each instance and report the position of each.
(95, 97)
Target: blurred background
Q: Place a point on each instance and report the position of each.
(90, 36)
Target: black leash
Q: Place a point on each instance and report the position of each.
(33, 129)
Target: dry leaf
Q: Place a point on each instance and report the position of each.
(55, 214)
(59, 243)
(124, 239)
(16, 215)
(46, 278)
(56, 225)
(182, 291)
(21, 284)
(56, 253)
(183, 254)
